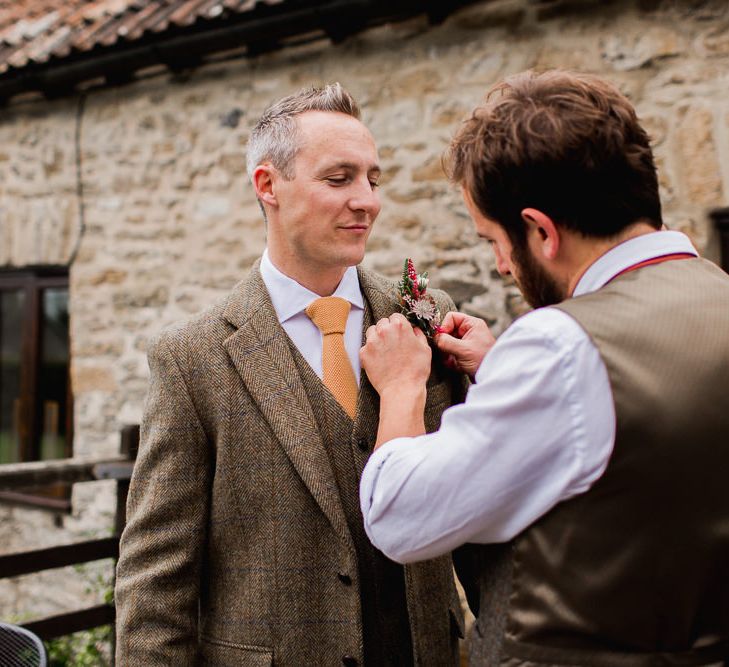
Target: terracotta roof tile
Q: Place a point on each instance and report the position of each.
(34, 31)
(114, 39)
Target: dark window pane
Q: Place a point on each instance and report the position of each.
(12, 304)
(53, 374)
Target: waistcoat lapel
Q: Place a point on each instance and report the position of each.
(259, 349)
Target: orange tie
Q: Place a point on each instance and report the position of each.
(329, 313)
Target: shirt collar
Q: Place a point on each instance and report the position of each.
(289, 298)
(630, 252)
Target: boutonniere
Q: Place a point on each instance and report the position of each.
(418, 306)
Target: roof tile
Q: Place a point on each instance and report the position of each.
(34, 31)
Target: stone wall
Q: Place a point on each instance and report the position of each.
(170, 224)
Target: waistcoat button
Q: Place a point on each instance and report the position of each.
(349, 661)
(363, 444)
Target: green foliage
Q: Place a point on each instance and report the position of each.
(89, 648)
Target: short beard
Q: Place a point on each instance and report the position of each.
(538, 288)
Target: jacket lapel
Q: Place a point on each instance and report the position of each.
(381, 301)
(260, 351)
(379, 292)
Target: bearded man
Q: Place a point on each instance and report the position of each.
(589, 459)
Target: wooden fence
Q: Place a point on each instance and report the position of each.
(14, 476)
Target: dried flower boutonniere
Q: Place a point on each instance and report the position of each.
(418, 306)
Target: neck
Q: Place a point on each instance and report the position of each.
(586, 251)
(321, 281)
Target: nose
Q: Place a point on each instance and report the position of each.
(502, 266)
(365, 198)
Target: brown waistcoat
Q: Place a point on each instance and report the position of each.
(385, 626)
(636, 570)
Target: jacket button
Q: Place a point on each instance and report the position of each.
(349, 661)
(363, 444)
(346, 580)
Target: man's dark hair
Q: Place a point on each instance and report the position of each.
(567, 144)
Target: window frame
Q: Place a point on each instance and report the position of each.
(33, 280)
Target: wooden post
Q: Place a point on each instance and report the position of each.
(720, 216)
(128, 448)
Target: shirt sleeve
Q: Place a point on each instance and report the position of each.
(537, 428)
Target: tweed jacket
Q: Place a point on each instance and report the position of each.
(236, 540)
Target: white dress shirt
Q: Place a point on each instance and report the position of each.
(290, 300)
(537, 428)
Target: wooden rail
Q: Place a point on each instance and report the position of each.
(29, 562)
(70, 471)
(36, 473)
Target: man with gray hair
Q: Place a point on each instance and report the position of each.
(245, 543)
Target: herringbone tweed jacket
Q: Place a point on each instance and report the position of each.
(236, 533)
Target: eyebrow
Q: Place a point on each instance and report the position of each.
(351, 166)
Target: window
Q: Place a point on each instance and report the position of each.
(35, 395)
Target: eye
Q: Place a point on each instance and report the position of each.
(337, 180)
(374, 184)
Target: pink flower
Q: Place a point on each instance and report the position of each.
(414, 278)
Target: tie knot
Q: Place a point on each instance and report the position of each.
(329, 313)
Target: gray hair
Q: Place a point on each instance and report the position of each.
(275, 138)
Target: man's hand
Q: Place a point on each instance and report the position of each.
(464, 340)
(396, 356)
(397, 360)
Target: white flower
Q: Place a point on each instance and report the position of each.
(423, 309)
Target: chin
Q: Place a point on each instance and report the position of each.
(353, 257)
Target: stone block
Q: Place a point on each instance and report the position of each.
(142, 297)
(666, 182)
(641, 47)
(715, 41)
(485, 15)
(92, 378)
(485, 68)
(107, 276)
(656, 126)
(698, 156)
(430, 170)
(405, 196)
(209, 208)
(448, 113)
(460, 291)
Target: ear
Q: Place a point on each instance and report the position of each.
(542, 231)
(264, 176)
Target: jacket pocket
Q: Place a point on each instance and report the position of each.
(221, 653)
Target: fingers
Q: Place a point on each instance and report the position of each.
(420, 335)
(448, 344)
(449, 323)
(459, 324)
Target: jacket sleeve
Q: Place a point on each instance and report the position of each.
(159, 569)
